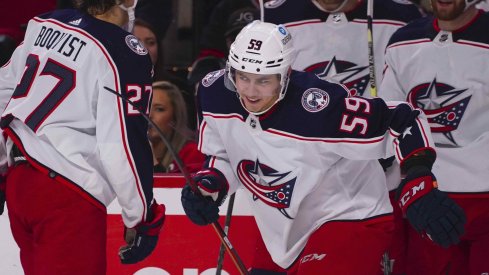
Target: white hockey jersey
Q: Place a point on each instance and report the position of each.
(446, 74)
(334, 46)
(57, 110)
(301, 162)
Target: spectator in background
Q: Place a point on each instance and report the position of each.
(168, 111)
(213, 62)
(147, 34)
(206, 64)
(148, 29)
(213, 40)
(238, 20)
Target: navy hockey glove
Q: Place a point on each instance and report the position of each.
(430, 211)
(203, 208)
(141, 240)
(386, 163)
(2, 194)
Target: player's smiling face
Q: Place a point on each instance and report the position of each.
(258, 92)
(448, 9)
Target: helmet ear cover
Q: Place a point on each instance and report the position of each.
(262, 48)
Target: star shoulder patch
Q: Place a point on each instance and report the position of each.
(315, 100)
(135, 45)
(212, 77)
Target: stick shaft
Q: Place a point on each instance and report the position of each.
(227, 223)
(217, 227)
(370, 40)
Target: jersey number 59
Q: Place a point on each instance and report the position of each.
(352, 121)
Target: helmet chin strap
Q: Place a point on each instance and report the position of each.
(280, 97)
(260, 112)
(129, 26)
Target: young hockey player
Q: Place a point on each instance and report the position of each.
(71, 146)
(298, 144)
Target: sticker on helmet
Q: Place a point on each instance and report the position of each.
(135, 45)
(314, 100)
(211, 77)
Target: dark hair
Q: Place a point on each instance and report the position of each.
(95, 7)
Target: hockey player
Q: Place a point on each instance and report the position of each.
(71, 146)
(331, 36)
(439, 64)
(298, 144)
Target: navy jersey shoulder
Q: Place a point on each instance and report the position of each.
(425, 28)
(216, 98)
(123, 47)
(398, 10)
(417, 29)
(317, 108)
(476, 31)
(311, 107)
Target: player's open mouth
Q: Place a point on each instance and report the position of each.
(252, 100)
(444, 2)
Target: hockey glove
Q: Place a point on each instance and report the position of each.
(203, 208)
(2, 194)
(430, 211)
(141, 240)
(386, 163)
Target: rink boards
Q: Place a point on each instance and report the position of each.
(183, 248)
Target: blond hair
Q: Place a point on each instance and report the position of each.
(181, 133)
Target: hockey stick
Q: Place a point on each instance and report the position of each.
(217, 227)
(387, 263)
(227, 223)
(370, 40)
(262, 11)
(373, 89)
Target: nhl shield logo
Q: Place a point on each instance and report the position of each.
(135, 45)
(314, 100)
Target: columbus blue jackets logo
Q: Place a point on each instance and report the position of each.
(212, 77)
(135, 45)
(443, 105)
(314, 100)
(267, 184)
(353, 76)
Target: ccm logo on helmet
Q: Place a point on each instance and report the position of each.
(250, 60)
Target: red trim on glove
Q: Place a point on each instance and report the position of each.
(153, 227)
(415, 189)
